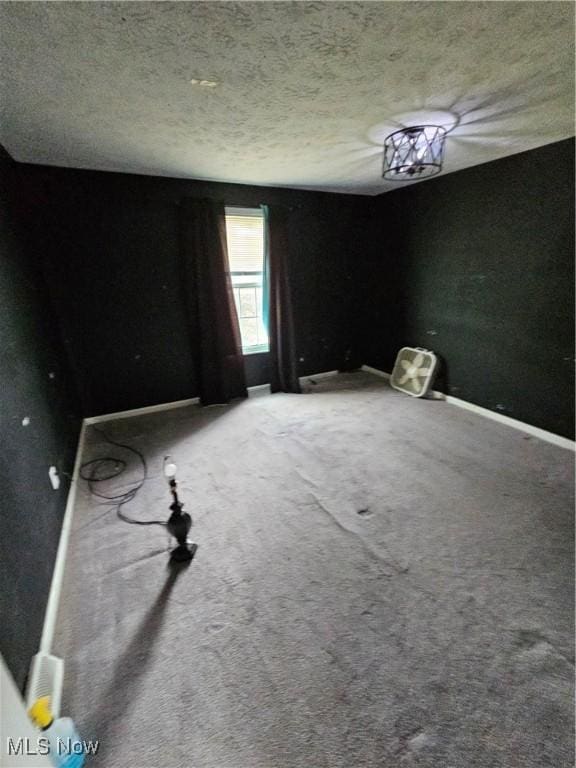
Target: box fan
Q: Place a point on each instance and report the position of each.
(414, 371)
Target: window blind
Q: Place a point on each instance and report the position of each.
(245, 236)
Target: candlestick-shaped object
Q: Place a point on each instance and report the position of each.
(179, 522)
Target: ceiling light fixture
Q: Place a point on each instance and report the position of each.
(204, 83)
(414, 153)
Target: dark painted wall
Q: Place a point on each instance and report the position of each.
(479, 266)
(116, 261)
(34, 384)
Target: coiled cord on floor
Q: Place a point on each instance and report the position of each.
(107, 468)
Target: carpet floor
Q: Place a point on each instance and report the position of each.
(380, 581)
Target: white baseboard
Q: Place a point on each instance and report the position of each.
(141, 411)
(323, 375)
(58, 573)
(259, 390)
(542, 434)
(376, 372)
(522, 426)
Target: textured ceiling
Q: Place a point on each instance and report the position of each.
(307, 93)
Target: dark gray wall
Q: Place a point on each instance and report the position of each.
(116, 265)
(479, 266)
(34, 383)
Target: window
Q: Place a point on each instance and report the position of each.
(245, 236)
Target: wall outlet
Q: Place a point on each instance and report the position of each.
(54, 478)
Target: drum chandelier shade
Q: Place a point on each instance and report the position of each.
(414, 153)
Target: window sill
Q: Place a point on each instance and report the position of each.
(257, 350)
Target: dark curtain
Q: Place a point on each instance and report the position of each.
(214, 330)
(283, 367)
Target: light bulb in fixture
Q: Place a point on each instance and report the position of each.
(170, 468)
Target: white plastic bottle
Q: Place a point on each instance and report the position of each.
(66, 750)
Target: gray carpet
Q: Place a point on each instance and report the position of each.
(380, 581)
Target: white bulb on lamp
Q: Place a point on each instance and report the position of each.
(170, 470)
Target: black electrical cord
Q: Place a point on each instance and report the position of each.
(100, 470)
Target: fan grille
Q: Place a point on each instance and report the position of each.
(413, 371)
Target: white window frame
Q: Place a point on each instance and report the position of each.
(232, 210)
